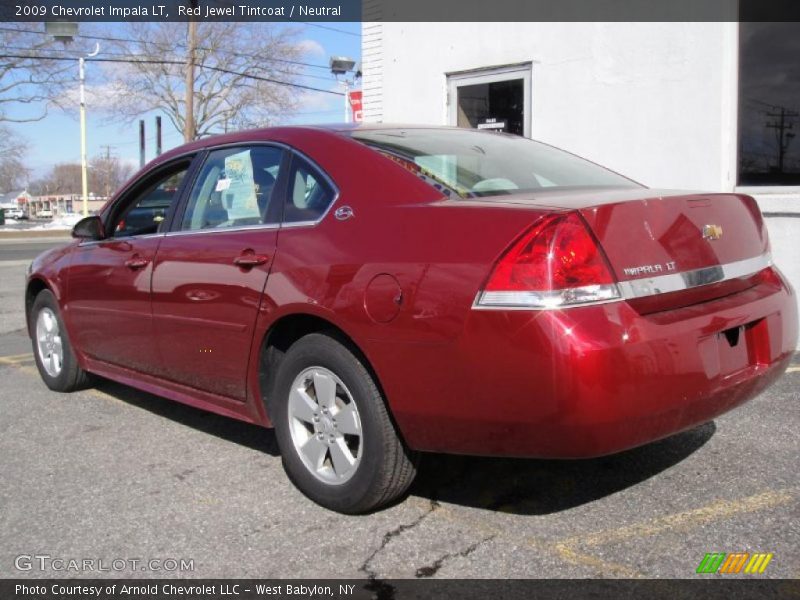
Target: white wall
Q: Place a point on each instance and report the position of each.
(655, 101)
(782, 216)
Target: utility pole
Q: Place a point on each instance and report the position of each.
(82, 99)
(158, 135)
(107, 170)
(191, 43)
(782, 132)
(141, 144)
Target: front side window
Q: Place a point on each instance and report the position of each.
(309, 194)
(147, 212)
(234, 189)
(471, 164)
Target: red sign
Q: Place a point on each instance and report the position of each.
(355, 106)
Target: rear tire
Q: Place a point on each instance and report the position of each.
(338, 443)
(55, 359)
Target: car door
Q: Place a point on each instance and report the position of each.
(212, 267)
(108, 303)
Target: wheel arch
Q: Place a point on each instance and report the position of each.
(287, 330)
(33, 288)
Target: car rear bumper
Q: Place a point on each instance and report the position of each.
(594, 380)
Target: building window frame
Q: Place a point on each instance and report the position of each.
(492, 74)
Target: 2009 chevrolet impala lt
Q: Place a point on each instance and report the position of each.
(372, 292)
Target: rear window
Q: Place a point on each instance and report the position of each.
(471, 164)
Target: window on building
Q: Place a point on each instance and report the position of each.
(498, 106)
(495, 99)
(769, 104)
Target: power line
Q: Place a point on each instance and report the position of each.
(769, 105)
(180, 63)
(134, 58)
(782, 129)
(332, 29)
(170, 45)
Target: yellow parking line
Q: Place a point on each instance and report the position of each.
(563, 551)
(571, 549)
(608, 569)
(25, 368)
(15, 358)
(689, 519)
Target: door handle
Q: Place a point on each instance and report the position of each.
(248, 261)
(136, 263)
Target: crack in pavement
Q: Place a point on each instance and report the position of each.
(433, 568)
(381, 589)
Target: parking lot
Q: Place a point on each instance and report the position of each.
(114, 473)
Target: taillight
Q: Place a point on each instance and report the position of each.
(557, 263)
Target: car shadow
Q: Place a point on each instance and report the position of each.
(229, 429)
(541, 487)
(518, 486)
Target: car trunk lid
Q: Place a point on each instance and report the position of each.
(668, 249)
(677, 233)
(681, 249)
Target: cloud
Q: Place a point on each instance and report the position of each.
(311, 48)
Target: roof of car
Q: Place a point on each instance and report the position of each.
(271, 133)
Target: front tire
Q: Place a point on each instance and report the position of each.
(55, 359)
(338, 444)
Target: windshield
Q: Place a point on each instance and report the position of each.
(473, 163)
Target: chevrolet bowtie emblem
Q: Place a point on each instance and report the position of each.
(712, 232)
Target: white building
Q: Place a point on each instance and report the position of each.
(697, 106)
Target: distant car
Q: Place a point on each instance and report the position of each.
(376, 291)
(16, 213)
(45, 213)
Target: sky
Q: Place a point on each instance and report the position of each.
(56, 138)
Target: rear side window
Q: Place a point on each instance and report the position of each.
(309, 195)
(234, 189)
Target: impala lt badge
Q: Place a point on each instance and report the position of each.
(712, 232)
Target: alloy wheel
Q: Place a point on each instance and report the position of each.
(49, 343)
(325, 425)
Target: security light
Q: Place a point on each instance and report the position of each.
(341, 64)
(63, 31)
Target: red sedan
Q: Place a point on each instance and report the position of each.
(372, 292)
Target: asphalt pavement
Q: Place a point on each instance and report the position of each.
(13, 249)
(112, 473)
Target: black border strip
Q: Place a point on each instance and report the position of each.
(404, 10)
(707, 587)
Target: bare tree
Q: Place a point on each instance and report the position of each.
(107, 174)
(13, 171)
(235, 66)
(26, 79)
(64, 178)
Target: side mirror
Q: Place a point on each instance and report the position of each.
(89, 228)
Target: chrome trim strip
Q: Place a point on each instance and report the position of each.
(477, 306)
(122, 238)
(293, 224)
(676, 282)
(628, 290)
(262, 226)
(533, 300)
